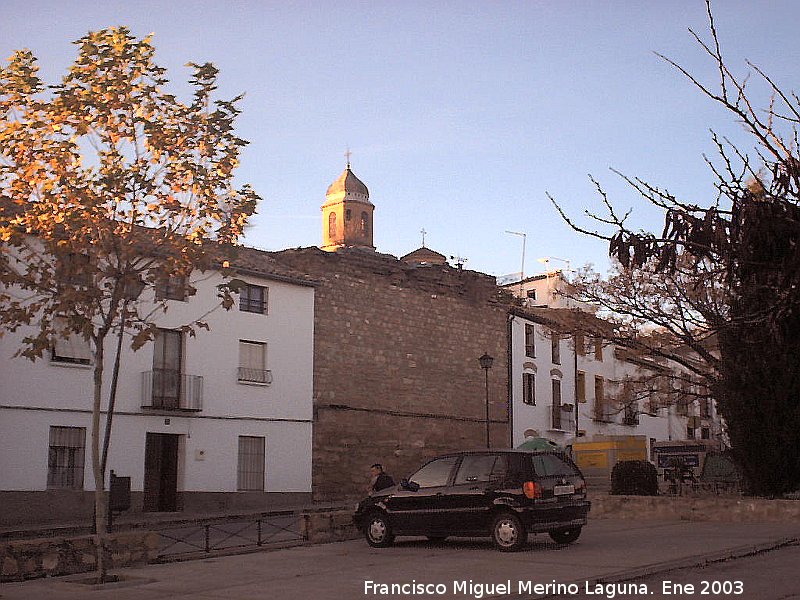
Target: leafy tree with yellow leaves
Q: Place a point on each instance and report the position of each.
(110, 185)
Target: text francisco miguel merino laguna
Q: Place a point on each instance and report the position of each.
(481, 590)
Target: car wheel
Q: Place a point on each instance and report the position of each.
(508, 532)
(565, 536)
(378, 532)
(436, 538)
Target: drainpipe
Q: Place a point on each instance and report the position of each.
(510, 354)
(575, 375)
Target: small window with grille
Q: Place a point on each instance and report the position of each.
(250, 473)
(65, 460)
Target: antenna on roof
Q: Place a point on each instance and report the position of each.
(524, 237)
(460, 260)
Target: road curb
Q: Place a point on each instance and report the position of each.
(689, 562)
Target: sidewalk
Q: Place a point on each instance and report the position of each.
(139, 520)
(609, 549)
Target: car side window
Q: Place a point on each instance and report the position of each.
(481, 468)
(435, 473)
(550, 465)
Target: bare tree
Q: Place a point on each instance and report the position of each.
(718, 290)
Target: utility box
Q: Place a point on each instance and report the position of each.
(119, 493)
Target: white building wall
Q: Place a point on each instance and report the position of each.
(666, 425)
(538, 417)
(37, 395)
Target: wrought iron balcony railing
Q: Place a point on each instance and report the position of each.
(168, 389)
(263, 376)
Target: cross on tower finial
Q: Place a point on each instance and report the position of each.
(423, 232)
(347, 155)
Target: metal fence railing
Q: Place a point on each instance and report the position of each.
(211, 536)
(167, 389)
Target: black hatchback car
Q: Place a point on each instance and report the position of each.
(505, 494)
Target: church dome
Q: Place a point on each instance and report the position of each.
(348, 183)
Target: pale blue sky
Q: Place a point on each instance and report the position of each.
(459, 115)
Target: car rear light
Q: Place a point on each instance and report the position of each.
(532, 490)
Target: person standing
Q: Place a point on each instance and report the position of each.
(380, 480)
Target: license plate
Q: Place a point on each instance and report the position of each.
(561, 490)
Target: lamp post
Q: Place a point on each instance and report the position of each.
(486, 364)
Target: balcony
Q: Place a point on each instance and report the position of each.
(562, 417)
(167, 389)
(255, 376)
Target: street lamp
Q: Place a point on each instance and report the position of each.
(486, 364)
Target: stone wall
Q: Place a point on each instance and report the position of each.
(47, 557)
(755, 510)
(329, 526)
(396, 372)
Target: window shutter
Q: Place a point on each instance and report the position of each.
(73, 347)
(252, 355)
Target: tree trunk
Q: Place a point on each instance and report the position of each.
(100, 504)
(112, 398)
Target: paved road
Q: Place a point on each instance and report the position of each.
(773, 575)
(608, 549)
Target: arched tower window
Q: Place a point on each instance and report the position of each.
(364, 225)
(332, 225)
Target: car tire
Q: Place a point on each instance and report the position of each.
(565, 536)
(377, 531)
(508, 532)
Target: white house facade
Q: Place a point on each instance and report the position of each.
(570, 388)
(218, 421)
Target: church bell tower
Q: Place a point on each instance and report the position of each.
(347, 214)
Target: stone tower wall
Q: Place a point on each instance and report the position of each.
(396, 373)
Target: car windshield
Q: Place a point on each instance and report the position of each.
(435, 473)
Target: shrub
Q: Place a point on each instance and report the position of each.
(634, 478)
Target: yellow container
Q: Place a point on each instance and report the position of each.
(599, 455)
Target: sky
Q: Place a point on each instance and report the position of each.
(460, 116)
